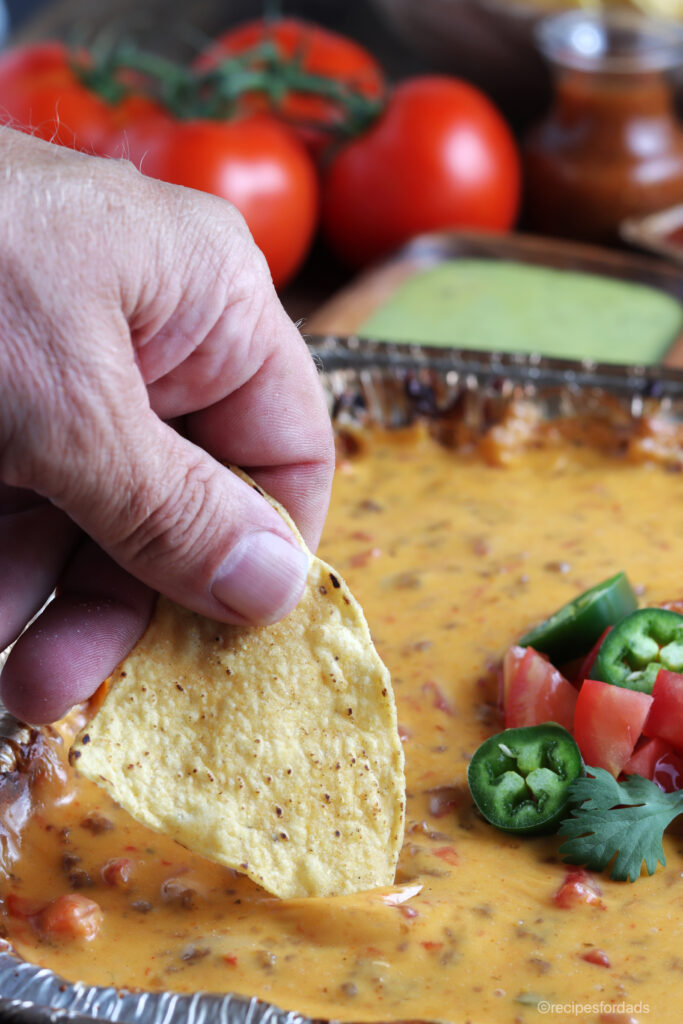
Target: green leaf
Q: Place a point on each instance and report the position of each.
(620, 820)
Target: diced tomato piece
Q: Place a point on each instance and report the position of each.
(447, 853)
(19, 906)
(539, 693)
(586, 666)
(672, 606)
(666, 715)
(511, 662)
(118, 871)
(578, 888)
(608, 723)
(644, 758)
(597, 957)
(668, 772)
(72, 916)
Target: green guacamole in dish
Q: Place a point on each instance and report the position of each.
(515, 307)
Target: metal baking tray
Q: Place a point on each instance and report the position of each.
(365, 381)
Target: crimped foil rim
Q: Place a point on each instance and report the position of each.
(35, 995)
(532, 370)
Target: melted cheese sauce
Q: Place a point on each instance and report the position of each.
(452, 561)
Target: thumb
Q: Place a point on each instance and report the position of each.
(178, 520)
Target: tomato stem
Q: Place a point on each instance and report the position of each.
(216, 93)
(98, 77)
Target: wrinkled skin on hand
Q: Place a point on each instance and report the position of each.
(141, 346)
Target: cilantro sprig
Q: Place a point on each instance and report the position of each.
(624, 821)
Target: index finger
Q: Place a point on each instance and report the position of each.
(277, 427)
(250, 394)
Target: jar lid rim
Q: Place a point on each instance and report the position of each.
(617, 41)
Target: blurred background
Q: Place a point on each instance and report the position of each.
(550, 119)
(488, 44)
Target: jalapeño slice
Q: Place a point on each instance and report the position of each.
(633, 652)
(574, 628)
(520, 778)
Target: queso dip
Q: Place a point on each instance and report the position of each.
(453, 559)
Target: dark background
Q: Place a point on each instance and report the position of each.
(490, 44)
(21, 9)
(183, 25)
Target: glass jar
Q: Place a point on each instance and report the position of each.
(611, 146)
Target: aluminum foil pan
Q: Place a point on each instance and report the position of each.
(376, 382)
(391, 384)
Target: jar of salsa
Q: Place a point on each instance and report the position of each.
(611, 146)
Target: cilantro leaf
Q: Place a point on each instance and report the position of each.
(623, 818)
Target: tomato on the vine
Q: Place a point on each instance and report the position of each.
(318, 52)
(30, 63)
(41, 94)
(254, 162)
(133, 120)
(440, 156)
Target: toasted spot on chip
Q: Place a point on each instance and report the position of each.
(235, 722)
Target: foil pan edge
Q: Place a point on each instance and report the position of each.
(35, 995)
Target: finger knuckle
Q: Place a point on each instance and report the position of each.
(225, 243)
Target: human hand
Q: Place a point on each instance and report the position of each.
(126, 303)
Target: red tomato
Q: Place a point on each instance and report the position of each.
(30, 63)
(539, 693)
(255, 162)
(319, 52)
(597, 957)
(447, 853)
(608, 723)
(118, 872)
(586, 666)
(441, 156)
(578, 889)
(666, 715)
(668, 771)
(511, 662)
(137, 114)
(19, 906)
(139, 124)
(72, 916)
(644, 758)
(40, 94)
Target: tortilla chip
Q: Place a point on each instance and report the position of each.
(273, 750)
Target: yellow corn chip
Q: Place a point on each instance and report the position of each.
(273, 750)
